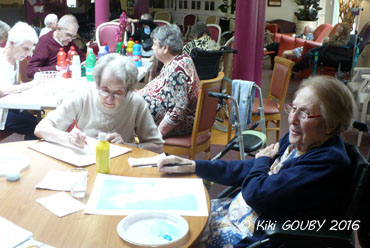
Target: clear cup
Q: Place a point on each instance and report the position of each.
(78, 182)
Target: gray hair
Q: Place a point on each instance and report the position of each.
(20, 33)
(49, 19)
(336, 101)
(146, 16)
(310, 27)
(121, 67)
(67, 21)
(199, 29)
(169, 35)
(4, 29)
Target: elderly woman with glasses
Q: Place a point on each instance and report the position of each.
(45, 55)
(111, 107)
(172, 95)
(303, 177)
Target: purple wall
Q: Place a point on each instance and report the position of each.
(59, 9)
(141, 7)
(101, 12)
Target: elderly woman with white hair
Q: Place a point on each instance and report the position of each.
(51, 22)
(4, 29)
(111, 107)
(172, 95)
(21, 40)
(305, 176)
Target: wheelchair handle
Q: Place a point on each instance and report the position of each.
(218, 95)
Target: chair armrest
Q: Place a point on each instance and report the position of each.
(308, 45)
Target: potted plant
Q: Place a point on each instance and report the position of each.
(307, 14)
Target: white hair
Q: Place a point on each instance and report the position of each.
(67, 21)
(50, 19)
(4, 29)
(20, 33)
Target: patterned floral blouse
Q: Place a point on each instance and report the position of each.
(173, 95)
(205, 42)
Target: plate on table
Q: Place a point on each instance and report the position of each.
(153, 229)
(12, 161)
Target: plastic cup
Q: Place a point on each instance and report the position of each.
(78, 182)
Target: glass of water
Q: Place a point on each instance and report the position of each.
(78, 182)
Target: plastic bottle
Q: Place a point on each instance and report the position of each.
(76, 67)
(136, 53)
(72, 51)
(130, 45)
(62, 63)
(90, 63)
(103, 51)
(123, 50)
(102, 154)
(119, 46)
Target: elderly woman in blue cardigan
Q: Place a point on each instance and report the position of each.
(302, 177)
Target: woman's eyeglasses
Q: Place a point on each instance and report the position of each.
(104, 93)
(303, 116)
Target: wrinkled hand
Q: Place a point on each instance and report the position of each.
(176, 169)
(115, 138)
(77, 138)
(269, 151)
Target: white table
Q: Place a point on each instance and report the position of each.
(49, 96)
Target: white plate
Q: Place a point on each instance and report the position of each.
(153, 229)
(12, 160)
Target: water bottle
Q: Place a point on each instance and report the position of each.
(119, 46)
(76, 67)
(62, 63)
(102, 154)
(72, 52)
(136, 53)
(103, 51)
(90, 63)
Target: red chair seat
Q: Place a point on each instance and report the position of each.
(270, 107)
(185, 141)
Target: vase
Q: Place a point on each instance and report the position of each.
(301, 24)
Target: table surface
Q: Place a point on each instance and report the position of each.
(47, 97)
(18, 203)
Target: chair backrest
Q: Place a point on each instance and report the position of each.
(161, 22)
(106, 33)
(280, 80)
(321, 31)
(162, 15)
(205, 114)
(215, 31)
(357, 203)
(365, 35)
(189, 20)
(212, 19)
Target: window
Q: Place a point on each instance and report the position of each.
(71, 3)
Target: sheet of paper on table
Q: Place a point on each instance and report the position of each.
(76, 156)
(118, 195)
(142, 162)
(56, 180)
(12, 235)
(33, 243)
(61, 204)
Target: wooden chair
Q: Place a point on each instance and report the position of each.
(163, 15)
(106, 33)
(205, 115)
(215, 31)
(188, 21)
(274, 104)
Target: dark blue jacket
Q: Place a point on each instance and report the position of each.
(308, 187)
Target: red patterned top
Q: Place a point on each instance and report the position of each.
(173, 95)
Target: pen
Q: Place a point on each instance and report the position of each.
(75, 122)
(176, 164)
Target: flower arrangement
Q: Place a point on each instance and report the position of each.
(123, 22)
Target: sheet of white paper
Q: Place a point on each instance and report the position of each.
(12, 235)
(12, 160)
(56, 180)
(61, 204)
(145, 161)
(33, 243)
(74, 155)
(117, 195)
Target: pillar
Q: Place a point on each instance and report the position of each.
(249, 30)
(101, 12)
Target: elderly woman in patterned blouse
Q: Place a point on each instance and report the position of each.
(202, 39)
(172, 95)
